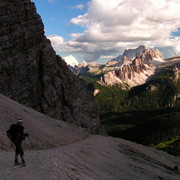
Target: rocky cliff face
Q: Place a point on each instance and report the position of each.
(32, 74)
(130, 53)
(176, 71)
(133, 53)
(133, 72)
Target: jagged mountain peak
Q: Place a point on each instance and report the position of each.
(130, 53)
(133, 53)
(134, 70)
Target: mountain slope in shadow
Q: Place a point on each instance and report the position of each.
(59, 150)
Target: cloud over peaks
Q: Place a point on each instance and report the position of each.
(71, 60)
(112, 26)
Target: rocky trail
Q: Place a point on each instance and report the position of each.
(95, 158)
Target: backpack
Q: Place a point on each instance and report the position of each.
(15, 133)
(8, 132)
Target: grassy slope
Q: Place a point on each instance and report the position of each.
(144, 114)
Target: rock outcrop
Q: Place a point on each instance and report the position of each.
(133, 53)
(130, 53)
(31, 72)
(176, 71)
(133, 72)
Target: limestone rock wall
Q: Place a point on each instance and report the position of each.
(31, 72)
(133, 72)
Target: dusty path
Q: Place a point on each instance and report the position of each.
(67, 152)
(95, 158)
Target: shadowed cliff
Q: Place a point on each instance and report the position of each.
(31, 72)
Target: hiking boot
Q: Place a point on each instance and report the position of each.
(16, 162)
(23, 162)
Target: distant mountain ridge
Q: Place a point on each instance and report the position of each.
(132, 68)
(134, 71)
(130, 53)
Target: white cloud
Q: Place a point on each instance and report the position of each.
(57, 41)
(81, 20)
(71, 60)
(112, 26)
(60, 45)
(79, 6)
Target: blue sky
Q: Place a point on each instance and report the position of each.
(98, 30)
(57, 14)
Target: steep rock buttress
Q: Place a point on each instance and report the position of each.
(31, 72)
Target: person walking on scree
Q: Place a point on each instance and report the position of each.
(16, 135)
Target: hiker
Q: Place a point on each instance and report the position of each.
(16, 135)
